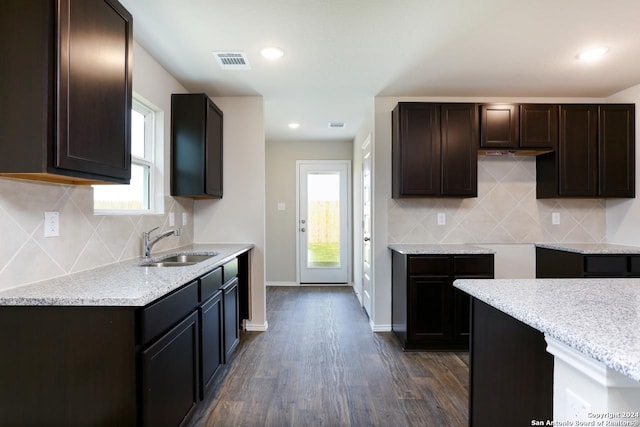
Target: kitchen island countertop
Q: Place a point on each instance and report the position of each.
(121, 284)
(434, 249)
(599, 318)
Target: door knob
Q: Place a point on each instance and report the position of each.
(302, 229)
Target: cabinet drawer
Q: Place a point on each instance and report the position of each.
(210, 283)
(612, 265)
(230, 270)
(634, 265)
(165, 313)
(473, 265)
(429, 265)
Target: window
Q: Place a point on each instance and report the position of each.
(137, 197)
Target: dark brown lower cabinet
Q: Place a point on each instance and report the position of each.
(556, 263)
(428, 313)
(231, 325)
(511, 373)
(67, 366)
(170, 376)
(122, 366)
(211, 325)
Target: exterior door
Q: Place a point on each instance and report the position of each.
(323, 221)
(366, 226)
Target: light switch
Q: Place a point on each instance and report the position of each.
(185, 217)
(172, 219)
(51, 224)
(442, 218)
(281, 206)
(555, 218)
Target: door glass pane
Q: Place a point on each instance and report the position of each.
(323, 220)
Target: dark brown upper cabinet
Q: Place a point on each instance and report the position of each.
(514, 127)
(65, 82)
(595, 156)
(434, 150)
(196, 146)
(499, 127)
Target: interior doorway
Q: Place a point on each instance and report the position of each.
(366, 226)
(323, 221)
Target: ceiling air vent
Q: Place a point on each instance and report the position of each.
(336, 125)
(232, 60)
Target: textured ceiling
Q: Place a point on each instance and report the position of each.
(340, 54)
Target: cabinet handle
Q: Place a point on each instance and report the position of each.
(366, 239)
(302, 229)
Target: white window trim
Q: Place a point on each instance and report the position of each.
(143, 106)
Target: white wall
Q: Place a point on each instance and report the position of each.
(86, 240)
(281, 188)
(239, 217)
(623, 215)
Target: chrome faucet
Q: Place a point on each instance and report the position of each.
(148, 242)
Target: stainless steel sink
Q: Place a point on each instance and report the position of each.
(180, 260)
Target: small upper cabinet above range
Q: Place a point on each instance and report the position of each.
(196, 146)
(65, 91)
(518, 127)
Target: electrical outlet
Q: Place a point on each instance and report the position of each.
(555, 218)
(184, 218)
(442, 218)
(51, 224)
(172, 219)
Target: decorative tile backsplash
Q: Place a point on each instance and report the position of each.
(505, 211)
(86, 240)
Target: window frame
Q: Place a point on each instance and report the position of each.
(148, 161)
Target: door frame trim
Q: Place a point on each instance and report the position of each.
(349, 214)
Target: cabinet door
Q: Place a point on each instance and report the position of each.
(231, 321)
(429, 309)
(170, 375)
(577, 151)
(416, 150)
(616, 151)
(461, 315)
(459, 139)
(211, 341)
(499, 128)
(94, 100)
(538, 126)
(213, 150)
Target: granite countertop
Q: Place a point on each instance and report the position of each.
(420, 249)
(121, 284)
(591, 248)
(597, 317)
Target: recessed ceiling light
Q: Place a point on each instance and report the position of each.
(294, 125)
(592, 54)
(272, 52)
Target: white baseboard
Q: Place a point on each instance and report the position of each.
(281, 284)
(256, 327)
(305, 284)
(379, 328)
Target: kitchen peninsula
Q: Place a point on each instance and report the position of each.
(561, 349)
(131, 343)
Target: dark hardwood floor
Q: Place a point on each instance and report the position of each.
(319, 364)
